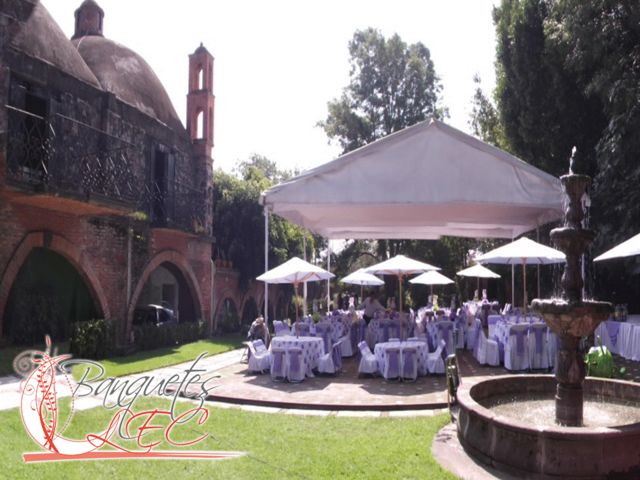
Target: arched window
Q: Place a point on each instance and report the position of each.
(200, 77)
(200, 124)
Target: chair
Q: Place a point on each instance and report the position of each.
(346, 350)
(538, 348)
(368, 363)
(300, 328)
(393, 339)
(391, 369)
(460, 323)
(259, 361)
(280, 328)
(409, 363)
(435, 362)
(492, 321)
(486, 351)
(516, 349)
(323, 330)
(445, 332)
(331, 362)
(278, 364)
(385, 325)
(295, 364)
(472, 335)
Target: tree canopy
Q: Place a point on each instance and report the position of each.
(568, 73)
(392, 86)
(239, 219)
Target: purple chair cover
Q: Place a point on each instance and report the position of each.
(394, 330)
(392, 357)
(353, 335)
(278, 363)
(385, 331)
(336, 356)
(295, 364)
(408, 356)
(500, 348)
(519, 340)
(612, 329)
(324, 331)
(538, 331)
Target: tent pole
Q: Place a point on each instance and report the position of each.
(304, 286)
(266, 265)
(400, 304)
(524, 285)
(538, 240)
(328, 270)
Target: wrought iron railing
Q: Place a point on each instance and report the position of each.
(62, 156)
(175, 205)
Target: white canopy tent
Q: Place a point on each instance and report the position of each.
(422, 182)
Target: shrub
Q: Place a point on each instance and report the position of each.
(228, 322)
(92, 339)
(149, 336)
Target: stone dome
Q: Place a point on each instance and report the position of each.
(42, 38)
(128, 76)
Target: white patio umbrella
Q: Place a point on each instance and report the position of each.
(295, 271)
(627, 248)
(431, 278)
(523, 250)
(478, 271)
(362, 278)
(400, 266)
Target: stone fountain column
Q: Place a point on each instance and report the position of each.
(571, 317)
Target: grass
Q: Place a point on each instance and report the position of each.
(140, 361)
(165, 357)
(278, 447)
(9, 352)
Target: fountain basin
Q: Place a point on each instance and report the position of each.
(574, 319)
(520, 448)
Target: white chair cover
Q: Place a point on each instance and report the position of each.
(435, 363)
(259, 361)
(368, 363)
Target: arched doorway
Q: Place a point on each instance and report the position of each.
(47, 296)
(227, 318)
(249, 312)
(167, 287)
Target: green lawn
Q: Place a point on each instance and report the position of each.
(140, 361)
(9, 352)
(277, 446)
(165, 357)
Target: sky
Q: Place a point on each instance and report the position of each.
(278, 63)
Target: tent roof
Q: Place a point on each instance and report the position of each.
(422, 182)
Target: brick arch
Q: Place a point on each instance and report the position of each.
(180, 262)
(248, 298)
(62, 246)
(224, 294)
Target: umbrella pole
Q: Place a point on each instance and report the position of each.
(361, 293)
(295, 296)
(524, 284)
(400, 303)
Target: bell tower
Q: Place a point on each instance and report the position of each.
(200, 101)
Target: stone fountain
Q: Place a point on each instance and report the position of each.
(572, 317)
(498, 421)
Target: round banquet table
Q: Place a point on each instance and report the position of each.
(421, 347)
(312, 349)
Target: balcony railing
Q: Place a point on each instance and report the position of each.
(59, 155)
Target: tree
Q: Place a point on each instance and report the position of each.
(485, 120)
(392, 86)
(239, 219)
(542, 110)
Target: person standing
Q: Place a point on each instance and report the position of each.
(371, 305)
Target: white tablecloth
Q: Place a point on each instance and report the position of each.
(312, 349)
(422, 350)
